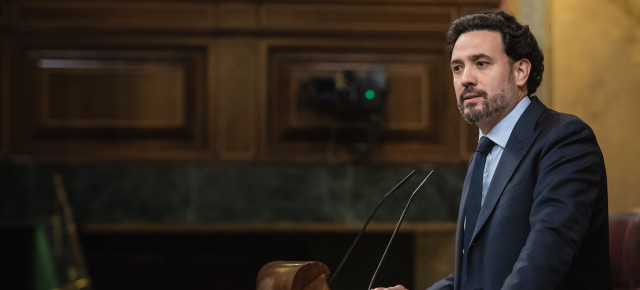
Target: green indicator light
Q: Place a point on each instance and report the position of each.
(370, 94)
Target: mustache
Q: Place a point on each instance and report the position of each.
(472, 90)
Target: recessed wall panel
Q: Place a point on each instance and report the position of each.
(113, 101)
(86, 93)
(415, 122)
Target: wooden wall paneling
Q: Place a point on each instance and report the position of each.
(237, 85)
(211, 95)
(4, 79)
(439, 140)
(468, 139)
(4, 94)
(4, 13)
(420, 104)
(468, 9)
(354, 18)
(82, 15)
(237, 16)
(237, 98)
(124, 100)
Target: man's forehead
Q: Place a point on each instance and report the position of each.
(477, 42)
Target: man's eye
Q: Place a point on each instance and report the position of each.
(456, 68)
(481, 64)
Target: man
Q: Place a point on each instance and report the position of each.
(541, 217)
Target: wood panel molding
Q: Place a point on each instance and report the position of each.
(237, 104)
(83, 15)
(352, 17)
(418, 104)
(4, 95)
(120, 100)
(4, 13)
(372, 18)
(241, 16)
(283, 227)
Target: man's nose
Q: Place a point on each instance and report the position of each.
(468, 78)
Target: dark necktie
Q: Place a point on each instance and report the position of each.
(474, 196)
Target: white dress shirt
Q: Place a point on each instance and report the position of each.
(500, 135)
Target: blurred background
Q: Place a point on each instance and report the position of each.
(164, 144)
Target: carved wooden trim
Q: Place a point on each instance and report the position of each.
(83, 15)
(119, 99)
(421, 137)
(173, 115)
(4, 13)
(352, 16)
(327, 17)
(237, 101)
(4, 93)
(238, 16)
(284, 227)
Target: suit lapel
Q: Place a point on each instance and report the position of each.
(520, 141)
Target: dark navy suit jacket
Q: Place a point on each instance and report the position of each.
(544, 221)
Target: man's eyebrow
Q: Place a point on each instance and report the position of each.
(479, 56)
(471, 58)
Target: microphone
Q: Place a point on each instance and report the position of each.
(335, 273)
(404, 212)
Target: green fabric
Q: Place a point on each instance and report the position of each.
(43, 265)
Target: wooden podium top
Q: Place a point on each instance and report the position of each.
(293, 275)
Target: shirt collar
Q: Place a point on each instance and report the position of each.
(501, 131)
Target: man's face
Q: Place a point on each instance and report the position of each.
(483, 78)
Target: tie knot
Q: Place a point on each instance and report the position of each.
(484, 145)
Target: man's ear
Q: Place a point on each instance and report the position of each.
(521, 69)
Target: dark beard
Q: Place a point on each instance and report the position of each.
(491, 107)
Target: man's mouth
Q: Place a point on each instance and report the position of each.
(471, 94)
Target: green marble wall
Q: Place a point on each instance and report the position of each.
(196, 193)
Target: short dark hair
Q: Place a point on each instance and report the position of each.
(517, 39)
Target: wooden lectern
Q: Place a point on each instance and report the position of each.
(293, 275)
